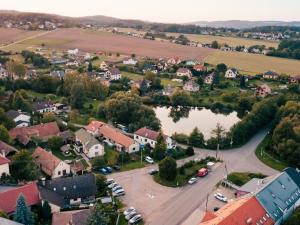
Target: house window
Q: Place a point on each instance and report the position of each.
(96, 153)
(96, 147)
(133, 149)
(64, 172)
(145, 139)
(59, 173)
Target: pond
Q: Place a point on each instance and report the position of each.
(184, 120)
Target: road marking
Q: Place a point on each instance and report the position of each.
(150, 196)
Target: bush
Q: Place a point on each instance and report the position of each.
(180, 138)
(168, 169)
(189, 151)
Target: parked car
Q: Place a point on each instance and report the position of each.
(119, 192)
(129, 210)
(131, 215)
(118, 187)
(112, 185)
(103, 171)
(153, 171)
(109, 181)
(192, 180)
(220, 197)
(148, 159)
(108, 169)
(202, 172)
(136, 219)
(116, 167)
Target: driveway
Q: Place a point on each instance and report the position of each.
(172, 206)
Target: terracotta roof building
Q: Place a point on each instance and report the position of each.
(244, 211)
(94, 126)
(41, 131)
(121, 141)
(7, 150)
(9, 196)
(50, 164)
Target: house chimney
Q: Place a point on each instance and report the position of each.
(43, 181)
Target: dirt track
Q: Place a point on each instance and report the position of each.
(11, 35)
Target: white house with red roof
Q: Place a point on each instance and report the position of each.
(10, 194)
(184, 72)
(4, 165)
(94, 126)
(146, 136)
(50, 164)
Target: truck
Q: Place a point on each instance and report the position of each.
(202, 172)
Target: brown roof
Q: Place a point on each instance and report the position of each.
(46, 160)
(116, 136)
(147, 133)
(200, 68)
(94, 126)
(6, 149)
(78, 217)
(4, 160)
(43, 131)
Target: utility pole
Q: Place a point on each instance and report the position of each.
(218, 146)
(206, 202)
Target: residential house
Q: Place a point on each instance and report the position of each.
(91, 146)
(150, 68)
(73, 64)
(73, 51)
(263, 91)
(58, 61)
(41, 131)
(120, 140)
(67, 136)
(69, 191)
(93, 127)
(7, 150)
(21, 119)
(168, 91)
(50, 164)
(242, 211)
(295, 79)
(271, 75)
(174, 61)
(139, 83)
(280, 197)
(43, 107)
(231, 73)
(209, 79)
(3, 73)
(146, 136)
(184, 72)
(191, 62)
(130, 61)
(113, 74)
(57, 73)
(251, 186)
(30, 74)
(4, 165)
(77, 217)
(191, 86)
(10, 194)
(200, 68)
(103, 66)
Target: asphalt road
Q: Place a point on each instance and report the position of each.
(173, 206)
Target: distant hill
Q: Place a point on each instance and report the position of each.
(244, 24)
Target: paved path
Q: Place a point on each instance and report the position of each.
(172, 206)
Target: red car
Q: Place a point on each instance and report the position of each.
(202, 172)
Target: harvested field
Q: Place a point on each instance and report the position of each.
(8, 36)
(253, 63)
(231, 41)
(94, 41)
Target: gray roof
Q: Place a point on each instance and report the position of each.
(12, 114)
(4, 221)
(42, 105)
(279, 195)
(87, 139)
(252, 186)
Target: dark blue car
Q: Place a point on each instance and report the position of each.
(103, 171)
(109, 169)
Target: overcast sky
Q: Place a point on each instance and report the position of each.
(165, 10)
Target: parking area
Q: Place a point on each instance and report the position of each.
(142, 192)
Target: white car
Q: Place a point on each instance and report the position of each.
(221, 197)
(109, 181)
(118, 187)
(131, 215)
(148, 159)
(129, 210)
(119, 192)
(112, 185)
(136, 219)
(192, 180)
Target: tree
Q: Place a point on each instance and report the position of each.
(46, 211)
(23, 167)
(98, 162)
(23, 214)
(3, 214)
(18, 102)
(189, 151)
(215, 45)
(221, 68)
(15, 68)
(196, 138)
(242, 82)
(48, 117)
(54, 143)
(98, 216)
(77, 95)
(180, 98)
(168, 169)
(4, 135)
(6, 121)
(90, 67)
(218, 132)
(216, 79)
(294, 219)
(100, 182)
(160, 147)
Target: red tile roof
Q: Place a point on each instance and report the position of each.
(8, 198)
(116, 136)
(6, 149)
(3, 160)
(94, 126)
(244, 211)
(43, 131)
(46, 160)
(147, 133)
(200, 68)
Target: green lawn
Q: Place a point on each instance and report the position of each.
(242, 178)
(133, 165)
(111, 156)
(267, 158)
(60, 155)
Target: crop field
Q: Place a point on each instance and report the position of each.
(8, 36)
(253, 63)
(95, 41)
(231, 41)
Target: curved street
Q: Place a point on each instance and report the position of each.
(172, 206)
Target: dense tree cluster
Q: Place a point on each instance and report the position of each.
(168, 169)
(36, 59)
(287, 49)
